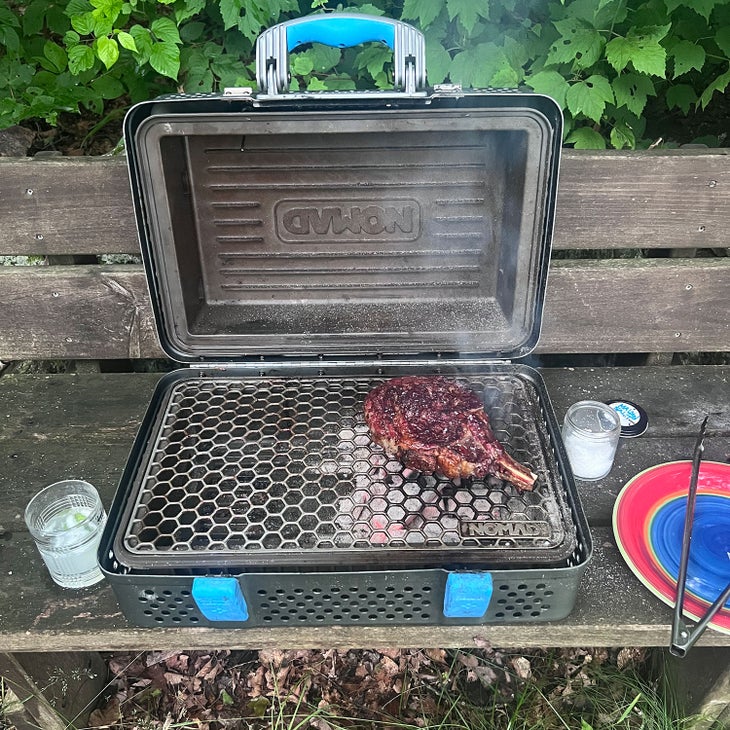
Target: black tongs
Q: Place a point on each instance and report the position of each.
(683, 635)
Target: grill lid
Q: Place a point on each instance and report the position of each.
(345, 223)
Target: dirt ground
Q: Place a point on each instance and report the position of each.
(370, 688)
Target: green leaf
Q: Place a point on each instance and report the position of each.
(641, 48)
(230, 11)
(77, 7)
(324, 58)
(370, 9)
(438, 61)
(56, 55)
(316, 84)
(425, 11)
(586, 138)
(126, 40)
(301, 65)
(33, 17)
(83, 24)
(722, 38)
(550, 83)
(259, 706)
(623, 136)
(71, 38)
(188, 9)
(251, 22)
(601, 14)
(519, 52)
(579, 44)
(143, 41)
(108, 87)
(632, 90)
(719, 84)
(8, 17)
(589, 97)
(374, 59)
(229, 71)
(467, 11)
(107, 49)
(9, 38)
(687, 55)
(80, 59)
(701, 7)
(191, 32)
(681, 96)
(103, 24)
(198, 76)
(226, 698)
(339, 82)
(57, 21)
(505, 78)
(482, 65)
(110, 8)
(165, 30)
(165, 59)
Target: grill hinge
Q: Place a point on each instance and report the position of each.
(239, 92)
(210, 366)
(322, 363)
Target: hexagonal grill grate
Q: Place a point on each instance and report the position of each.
(272, 472)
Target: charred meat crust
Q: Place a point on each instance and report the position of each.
(434, 424)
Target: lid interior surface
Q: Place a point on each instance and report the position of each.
(370, 231)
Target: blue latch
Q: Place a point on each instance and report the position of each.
(220, 598)
(467, 595)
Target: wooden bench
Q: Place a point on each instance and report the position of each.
(659, 221)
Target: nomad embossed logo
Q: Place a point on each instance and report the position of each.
(348, 220)
(496, 529)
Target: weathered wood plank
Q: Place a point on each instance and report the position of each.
(76, 312)
(648, 305)
(37, 616)
(657, 199)
(107, 409)
(105, 412)
(635, 305)
(102, 413)
(65, 205)
(676, 400)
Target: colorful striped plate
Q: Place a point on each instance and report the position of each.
(648, 522)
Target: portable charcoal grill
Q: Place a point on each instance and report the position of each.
(301, 248)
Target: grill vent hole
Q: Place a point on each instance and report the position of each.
(346, 604)
(168, 607)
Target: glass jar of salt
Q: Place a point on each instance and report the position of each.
(591, 432)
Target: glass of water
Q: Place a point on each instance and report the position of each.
(66, 520)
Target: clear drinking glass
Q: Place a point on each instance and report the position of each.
(591, 433)
(66, 520)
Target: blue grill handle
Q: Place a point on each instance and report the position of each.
(340, 30)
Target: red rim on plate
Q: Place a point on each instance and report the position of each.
(648, 520)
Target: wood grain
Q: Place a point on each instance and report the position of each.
(64, 425)
(632, 305)
(657, 199)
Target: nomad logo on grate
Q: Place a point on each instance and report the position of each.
(348, 220)
(496, 529)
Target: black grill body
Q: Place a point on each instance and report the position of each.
(300, 249)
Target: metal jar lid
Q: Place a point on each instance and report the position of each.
(634, 420)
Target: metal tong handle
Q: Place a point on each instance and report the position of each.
(684, 636)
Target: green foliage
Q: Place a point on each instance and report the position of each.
(602, 60)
